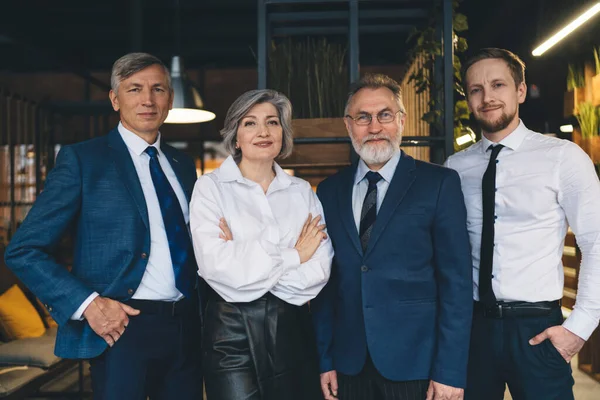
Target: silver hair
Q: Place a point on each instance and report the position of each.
(131, 63)
(376, 81)
(242, 105)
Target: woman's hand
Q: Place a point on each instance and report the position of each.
(310, 238)
(225, 231)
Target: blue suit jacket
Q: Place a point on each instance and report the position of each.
(95, 190)
(408, 298)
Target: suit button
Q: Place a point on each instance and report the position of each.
(144, 256)
(364, 268)
(130, 291)
(49, 309)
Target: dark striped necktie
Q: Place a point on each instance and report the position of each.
(175, 226)
(488, 192)
(369, 209)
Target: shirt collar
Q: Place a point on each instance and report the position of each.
(386, 172)
(136, 143)
(513, 141)
(229, 171)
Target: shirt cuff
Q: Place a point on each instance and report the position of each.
(78, 315)
(580, 324)
(291, 258)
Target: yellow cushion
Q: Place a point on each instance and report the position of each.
(18, 317)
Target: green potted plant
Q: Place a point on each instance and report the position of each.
(575, 93)
(596, 77)
(428, 47)
(588, 116)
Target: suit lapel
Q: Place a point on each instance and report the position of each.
(345, 203)
(126, 169)
(401, 182)
(172, 157)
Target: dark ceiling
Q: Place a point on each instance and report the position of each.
(37, 35)
(40, 35)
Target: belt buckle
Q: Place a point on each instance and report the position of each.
(499, 310)
(494, 311)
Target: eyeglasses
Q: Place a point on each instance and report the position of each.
(384, 117)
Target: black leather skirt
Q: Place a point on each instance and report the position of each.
(262, 350)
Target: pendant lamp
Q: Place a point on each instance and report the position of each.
(188, 107)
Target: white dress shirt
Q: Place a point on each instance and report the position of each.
(261, 257)
(361, 184)
(543, 185)
(158, 282)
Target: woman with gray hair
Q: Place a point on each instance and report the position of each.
(261, 245)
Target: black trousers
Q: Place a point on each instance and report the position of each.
(501, 355)
(158, 356)
(262, 350)
(370, 385)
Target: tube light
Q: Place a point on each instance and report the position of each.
(564, 32)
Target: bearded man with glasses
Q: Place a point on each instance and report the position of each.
(393, 321)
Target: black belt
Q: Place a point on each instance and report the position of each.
(168, 308)
(516, 309)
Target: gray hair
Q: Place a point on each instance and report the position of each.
(376, 81)
(242, 105)
(131, 63)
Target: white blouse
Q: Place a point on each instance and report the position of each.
(265, 227)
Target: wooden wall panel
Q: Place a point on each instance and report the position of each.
(322, 155)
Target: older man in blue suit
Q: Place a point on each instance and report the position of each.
(129, 303)
(393, 322)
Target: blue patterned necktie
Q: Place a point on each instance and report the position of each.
(175, 226)
(369, 209)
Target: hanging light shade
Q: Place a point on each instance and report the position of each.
(187, 103)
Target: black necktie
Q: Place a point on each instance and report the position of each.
(175, 226)
(369, 209)
(488, 186)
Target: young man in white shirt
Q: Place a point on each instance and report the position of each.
(520, 190)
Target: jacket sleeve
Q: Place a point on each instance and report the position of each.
(453, 269)
(322, 310)
(30, 252)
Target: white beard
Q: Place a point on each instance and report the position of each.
(376, 153)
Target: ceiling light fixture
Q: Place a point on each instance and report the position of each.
(566, 128)
(564, 32)
(188, 107)
(467, 137)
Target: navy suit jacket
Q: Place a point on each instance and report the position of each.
(408, 298)
(95, 190)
